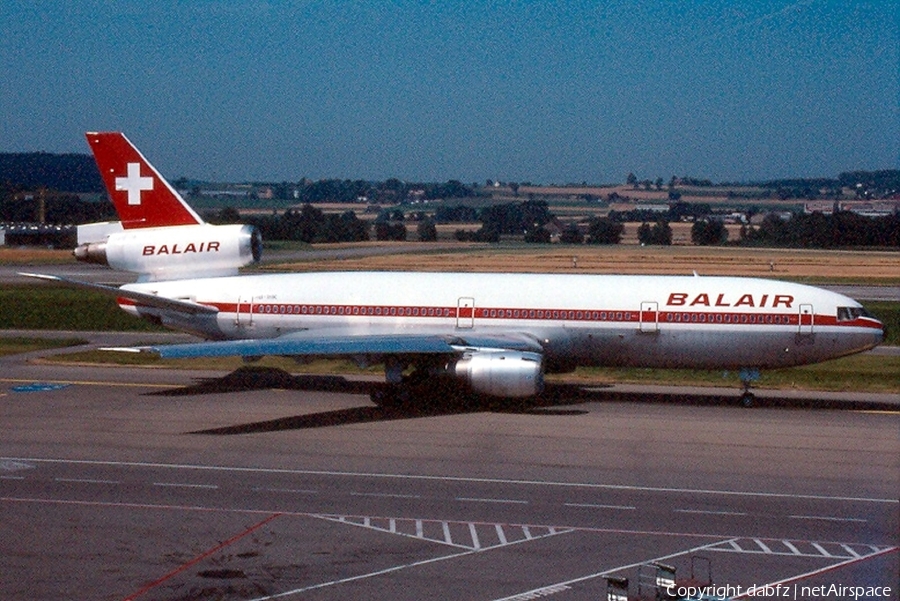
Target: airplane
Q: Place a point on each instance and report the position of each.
(495, 334)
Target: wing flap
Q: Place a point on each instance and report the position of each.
(320, 345)
(337, 343)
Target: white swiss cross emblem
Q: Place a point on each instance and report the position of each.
(134, 184)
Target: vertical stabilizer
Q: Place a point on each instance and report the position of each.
(142, 197)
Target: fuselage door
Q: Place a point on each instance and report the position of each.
(649, 317)
(465, 312)
(806, 319)
(243, 317)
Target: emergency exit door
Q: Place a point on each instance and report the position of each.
(807, 318)
(465, 312)
(649, 317)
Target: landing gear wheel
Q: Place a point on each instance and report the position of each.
(391, 395)
(748, 376)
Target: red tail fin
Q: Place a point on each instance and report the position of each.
(140, 194)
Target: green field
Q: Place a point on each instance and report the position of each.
(43, 306)
(18, 344)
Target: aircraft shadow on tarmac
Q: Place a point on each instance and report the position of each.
(557, 399)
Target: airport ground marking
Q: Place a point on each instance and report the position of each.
(201, 557)
(600, 506)
(488, 500)
(753, 591)
(88, 383)
(430, 478)
(722, 545)
(710, 512)
(474, 536)
(86, 481)
(556, 587)
(366, 576)
(716, 545)
(249, 511)
(826, 518)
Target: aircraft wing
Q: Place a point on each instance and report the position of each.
(335, 342)
(151, 300)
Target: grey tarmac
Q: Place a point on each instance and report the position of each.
(122, 483)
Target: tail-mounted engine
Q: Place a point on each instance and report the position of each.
(169, 253)
(510, 374)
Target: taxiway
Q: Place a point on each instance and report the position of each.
(120, 483)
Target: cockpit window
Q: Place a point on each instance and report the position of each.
(851, 313)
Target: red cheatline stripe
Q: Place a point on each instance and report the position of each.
(587, 315)
(200, 558)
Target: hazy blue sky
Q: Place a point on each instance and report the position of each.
(538, 91)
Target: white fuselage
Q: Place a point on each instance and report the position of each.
(649, 321)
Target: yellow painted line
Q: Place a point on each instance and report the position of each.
(88, 383)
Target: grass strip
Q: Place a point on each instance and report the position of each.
(859, 373)
(18, 344)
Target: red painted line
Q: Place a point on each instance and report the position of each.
(200, 558)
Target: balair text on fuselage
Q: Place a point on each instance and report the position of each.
(175, 249)
(703, 299)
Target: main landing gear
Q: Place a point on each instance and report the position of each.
(407, 389)
(748, 376)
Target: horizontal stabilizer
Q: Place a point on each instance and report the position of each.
(141, 298)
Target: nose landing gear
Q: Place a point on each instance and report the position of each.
(748, 376)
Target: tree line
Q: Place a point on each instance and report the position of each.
(19, 206)
(389, 191)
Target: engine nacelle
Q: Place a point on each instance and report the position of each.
(502, 373)
(186, 251)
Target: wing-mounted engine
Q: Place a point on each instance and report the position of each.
(169, 253)
(509, 374)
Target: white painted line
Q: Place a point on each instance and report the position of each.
(384, 495)
(475, 542)
(12, 477)
(849, 550)
(585, 485)
(762, 546)
(709, 512)
(826, 518)
(791, 547)
(183, 485)
(596, 506)
(86, 481)
(477, 500)
(501, 535)
(821, 550)
(540, 593)
(290, 491)
(420, 531)
(806, 575)
(552, 588)
(447, 538)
